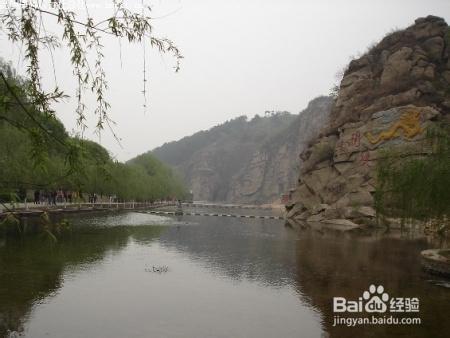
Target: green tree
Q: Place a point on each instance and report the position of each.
(24, 23)
(144, 178)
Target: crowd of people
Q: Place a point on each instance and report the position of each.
(54, 196)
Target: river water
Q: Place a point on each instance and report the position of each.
(140, 275)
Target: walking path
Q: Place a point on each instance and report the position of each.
(27, 209)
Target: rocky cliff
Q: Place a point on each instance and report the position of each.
(251, 161)
(207, 160)
(272, 169)
(387, 99)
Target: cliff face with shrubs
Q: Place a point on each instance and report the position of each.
(386, 101)
(208, 160)
(246, 161)
(272, 169)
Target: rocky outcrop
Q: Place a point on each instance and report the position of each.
(386, 101)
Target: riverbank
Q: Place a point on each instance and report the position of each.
(24, 209)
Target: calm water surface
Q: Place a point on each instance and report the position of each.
(225, 277)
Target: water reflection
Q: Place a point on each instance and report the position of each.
(226, 277)
(330, 265)
(32, 269)
(252, 249)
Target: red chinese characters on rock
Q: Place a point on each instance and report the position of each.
(365, 158)
(346, 146)
(356, 139)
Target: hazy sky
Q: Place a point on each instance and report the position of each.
(241, 57)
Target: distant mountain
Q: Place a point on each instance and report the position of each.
(245, 160)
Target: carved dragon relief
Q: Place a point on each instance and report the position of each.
(408, 124)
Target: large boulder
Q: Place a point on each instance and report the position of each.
(387, 100)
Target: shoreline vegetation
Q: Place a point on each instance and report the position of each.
(416, 188)
(40, 169)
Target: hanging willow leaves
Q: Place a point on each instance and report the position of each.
(24, 23)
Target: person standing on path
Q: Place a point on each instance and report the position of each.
(37, 197)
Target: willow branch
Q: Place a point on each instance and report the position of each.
(30, 115)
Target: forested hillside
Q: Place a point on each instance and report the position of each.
(29, 161)
(248, 133)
